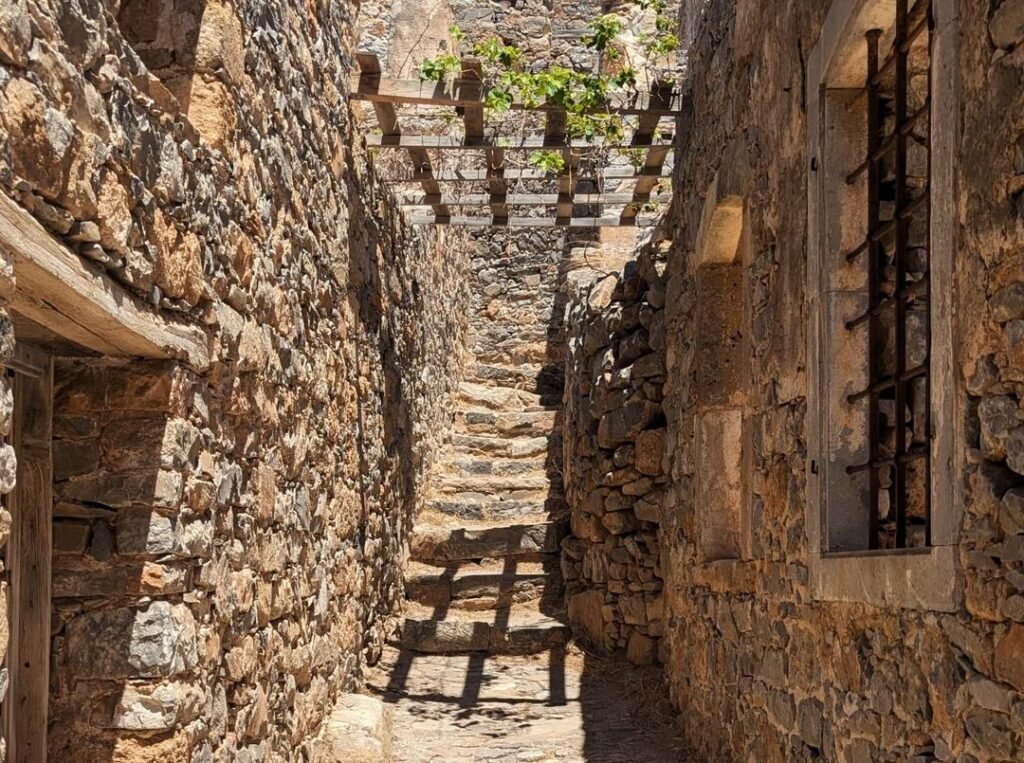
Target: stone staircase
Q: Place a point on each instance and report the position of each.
(484, 572)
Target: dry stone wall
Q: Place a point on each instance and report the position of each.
(228, 540)
(757, 667)
(614, 448)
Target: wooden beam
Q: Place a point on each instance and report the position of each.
(449, 143)
(79, 301)
(554, 132)
(387, 120)
(28, 559)
(474, 120)
(469, 92)
(654, 160)
(528, 199)
(534, 222)
(516, 173)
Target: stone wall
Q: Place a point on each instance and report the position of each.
(614, 440)
(758, 668)
(228, 540)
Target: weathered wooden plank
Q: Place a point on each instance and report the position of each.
(30, 544)
(654, 160)
(516, 173)
(451, 142)
(387, 120)
(528, 199)
(474, 120)
(77, 300)
(554, 132)
(468, 92)
(534, 222)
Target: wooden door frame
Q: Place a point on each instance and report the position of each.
(29, 558)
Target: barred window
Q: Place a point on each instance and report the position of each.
(895, 327)
(882, 88)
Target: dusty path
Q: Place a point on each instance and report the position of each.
(560, 705)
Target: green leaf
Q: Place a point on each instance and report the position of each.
(498, 100)
(437, 68)
(552, 162)
(603, 30)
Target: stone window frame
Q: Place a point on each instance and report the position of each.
(924, 578)
(723, 241)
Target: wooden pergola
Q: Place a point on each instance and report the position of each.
(566, 208)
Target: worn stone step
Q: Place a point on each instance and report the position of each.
(508, 447)
(536, 485)
(505, 398)
(498, 508)
(520, 629)
(546, 378)
(431, 543)
(502, 467)
(508, 423)
(484, 585)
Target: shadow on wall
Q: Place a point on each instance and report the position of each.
(125, 550)
(388, 463)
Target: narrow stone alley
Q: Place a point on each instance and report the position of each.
(595, 381)
(485, 668)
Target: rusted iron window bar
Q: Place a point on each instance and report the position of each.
(909, 25)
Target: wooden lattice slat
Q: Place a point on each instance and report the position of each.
(468, 93)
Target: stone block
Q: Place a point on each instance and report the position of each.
(72, 458)
(999, 417)
(156, 641)
(145, 532)
(1009, 657)
(160, 707)
(358, 730)
(624, 424)
(585, 615)
(641, 649)
(620, 522)
(650, 447)
(441, 636)
(157, 489)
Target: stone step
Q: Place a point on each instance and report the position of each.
(520, 629)
(508, 423)
(532, 377)
(439, 544)
(484, 585)
(508, 447)
(501, 467)
(498, 508)
(506, 398)
(520, 486)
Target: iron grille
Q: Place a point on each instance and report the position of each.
(896, 255)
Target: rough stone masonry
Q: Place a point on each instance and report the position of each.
(228, 537)
(228, 540)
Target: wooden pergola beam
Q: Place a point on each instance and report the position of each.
(473, 117)
(469, 92)
(516, 173)
(533, 222)
(531, 142)
(529, 200)
(655, 159)
(387, 120)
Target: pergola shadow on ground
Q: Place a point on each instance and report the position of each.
(565, 704)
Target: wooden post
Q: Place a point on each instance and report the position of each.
(28, 558)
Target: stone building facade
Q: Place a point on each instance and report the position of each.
(253, 364)
(770, 654)
(776, 649)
